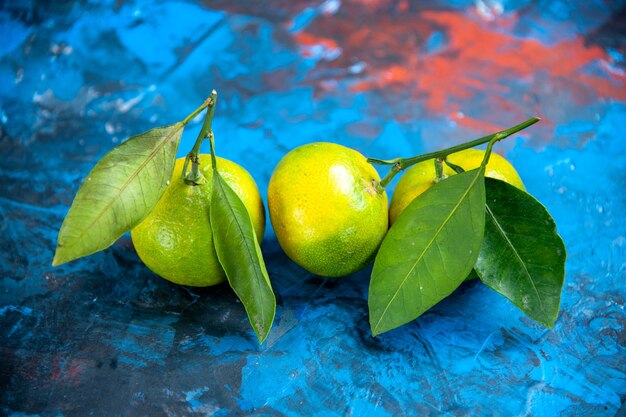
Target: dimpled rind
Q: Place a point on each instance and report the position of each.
(421, 176)
(497, 167)
(175, 240)
(325, 209)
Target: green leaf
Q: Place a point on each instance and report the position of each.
(428, 252)
(522, 257)
(240, 255)
(119, 192)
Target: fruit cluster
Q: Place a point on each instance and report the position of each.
(198, 221)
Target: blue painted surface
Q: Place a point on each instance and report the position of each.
(105, 336)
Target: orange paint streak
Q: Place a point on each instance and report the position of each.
(606, 87)
(307, 39)
(395, 74)
(478, 58)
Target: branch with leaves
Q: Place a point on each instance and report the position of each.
(466, 222)
(125, 186)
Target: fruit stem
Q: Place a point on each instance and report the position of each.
(194, 177)
(439, 175)
(400, 164)
(488, 152)
(213, 158)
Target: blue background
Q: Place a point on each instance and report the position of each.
(105, 336)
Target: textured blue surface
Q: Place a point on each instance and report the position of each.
(105, 336)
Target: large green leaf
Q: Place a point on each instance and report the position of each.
(240, 255)
(428, 252)
(522, 256)
(119, 192)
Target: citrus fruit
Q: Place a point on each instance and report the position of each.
(327, 212)
(175, 240)
(421, 176)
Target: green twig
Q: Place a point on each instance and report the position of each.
(213, 157)
(194, 176)
(439, 175)
(400, 164)
(488, 152)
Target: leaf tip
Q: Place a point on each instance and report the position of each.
(550, 322)
(261, 337)
(58, 259)
(375, 329)
(264, 332)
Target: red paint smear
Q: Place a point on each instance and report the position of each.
(475, 44)
(396, 74)
(376, 5)
(307, 39)
(605, 87)
(316, 47)
(476, 59)
(475, 50)
(403, 6)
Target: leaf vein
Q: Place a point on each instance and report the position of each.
(124, 186)
(517, 255)
(444, 223)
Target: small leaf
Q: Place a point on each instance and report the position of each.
(428, 252)
(119, 192)
(240, 255)
(522, 257)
